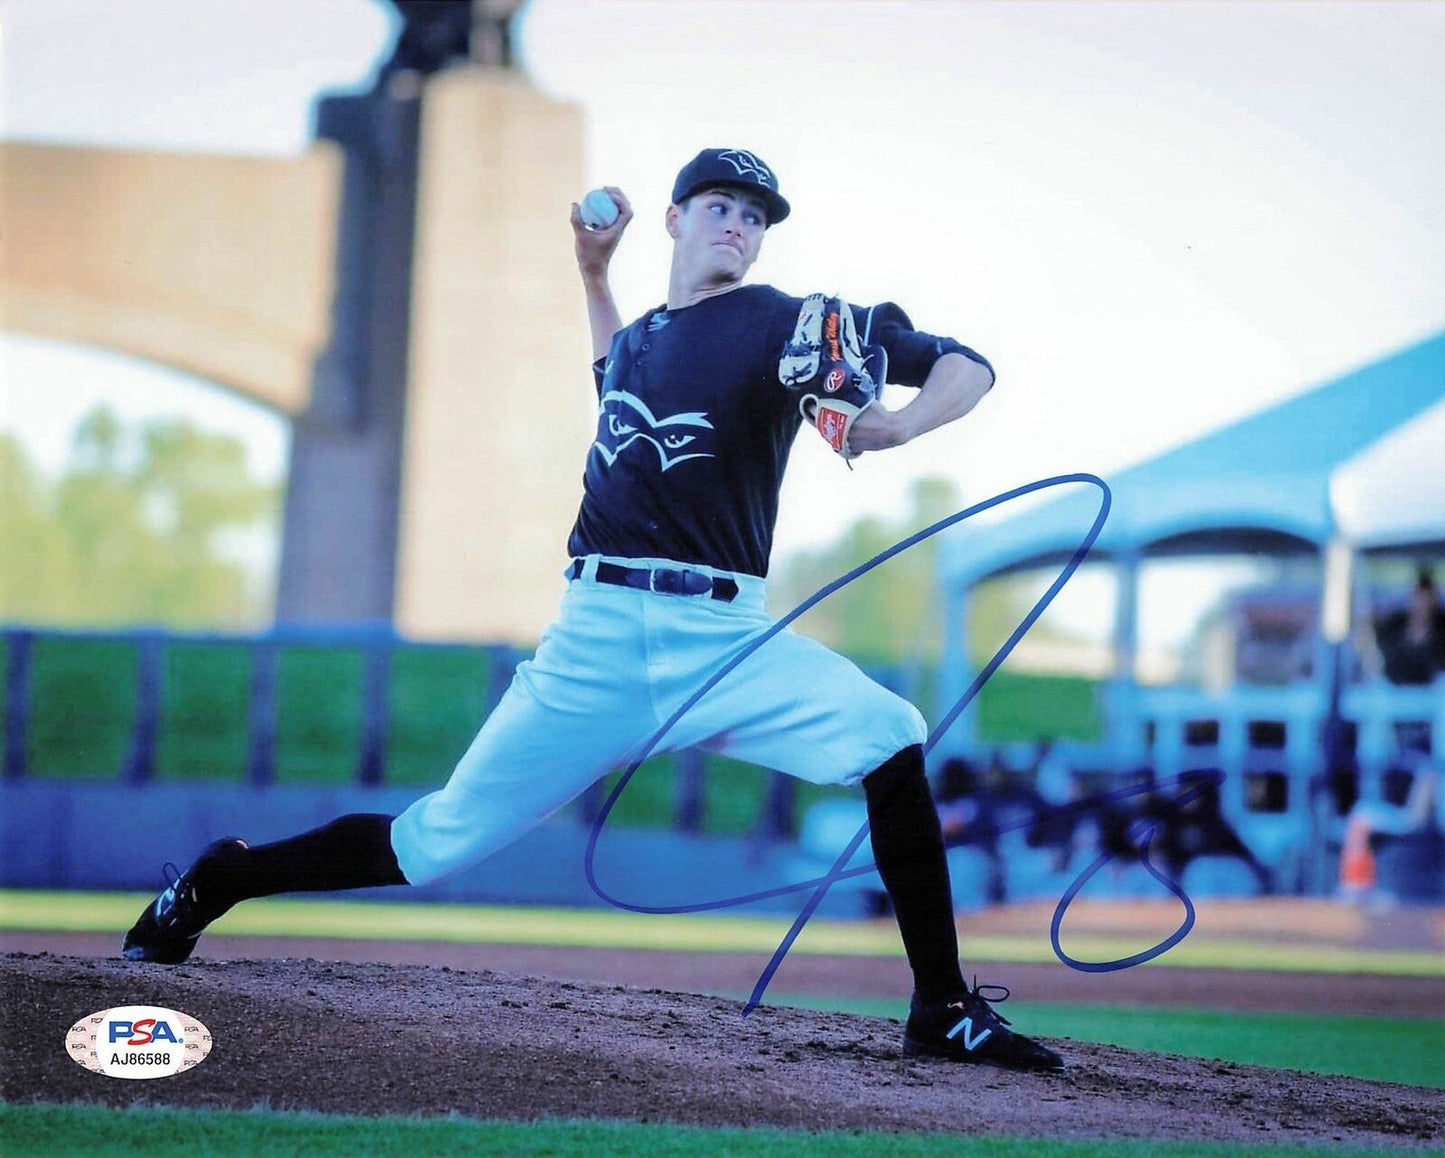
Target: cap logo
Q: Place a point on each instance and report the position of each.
(744, 162)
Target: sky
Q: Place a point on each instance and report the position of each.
(1152, 217)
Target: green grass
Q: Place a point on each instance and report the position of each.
(459, 924)
(604, 928)
(1380, 1049)
(84, 1131)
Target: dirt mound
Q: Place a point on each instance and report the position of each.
(387, 1039)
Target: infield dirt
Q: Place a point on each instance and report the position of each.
(355, 1038)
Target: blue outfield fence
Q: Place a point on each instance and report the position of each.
(221, 729)
(73, 762)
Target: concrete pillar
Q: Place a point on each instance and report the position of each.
(338, 555)
(502, 406)
(438, 468)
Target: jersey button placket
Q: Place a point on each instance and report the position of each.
(657, 638)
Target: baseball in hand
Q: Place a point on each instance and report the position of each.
(598, 210)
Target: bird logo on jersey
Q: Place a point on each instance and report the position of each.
(625, 419)
(745, 162)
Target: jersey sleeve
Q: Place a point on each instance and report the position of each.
(599, 367)
(911, 352)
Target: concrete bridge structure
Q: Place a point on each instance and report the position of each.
(404, 292)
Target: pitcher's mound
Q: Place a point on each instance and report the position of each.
(387, 1039)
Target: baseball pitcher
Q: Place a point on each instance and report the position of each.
(698, 404)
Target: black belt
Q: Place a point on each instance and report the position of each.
(664, 580)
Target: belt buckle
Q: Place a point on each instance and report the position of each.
(678, 582)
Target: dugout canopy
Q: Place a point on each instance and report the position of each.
(1392, 494)
(1359, 459)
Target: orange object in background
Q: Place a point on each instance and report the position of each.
(1357, 862)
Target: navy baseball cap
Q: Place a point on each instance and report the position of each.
(731, 167)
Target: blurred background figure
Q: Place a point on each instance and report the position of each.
(1412, 641)
(1058, 817)
(1198, 832)
(1411, 808)
(967, 813)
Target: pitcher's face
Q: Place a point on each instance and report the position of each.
(717, 234)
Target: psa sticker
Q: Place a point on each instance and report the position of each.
(138, 1041)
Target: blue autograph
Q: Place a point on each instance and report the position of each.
(839, 871)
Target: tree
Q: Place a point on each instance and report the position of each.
(133, 531)
(36, 563)
(891, 614)
(894, 613)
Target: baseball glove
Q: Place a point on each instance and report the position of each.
(836, 377)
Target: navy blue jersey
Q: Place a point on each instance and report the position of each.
(694, 428)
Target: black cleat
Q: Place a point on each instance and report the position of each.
(967, 1028)
(170, 926)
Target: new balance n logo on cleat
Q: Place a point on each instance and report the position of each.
(970, 1042)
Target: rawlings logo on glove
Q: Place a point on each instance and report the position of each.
(825, 354)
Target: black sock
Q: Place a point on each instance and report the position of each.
(908, 848)
(352, 852)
